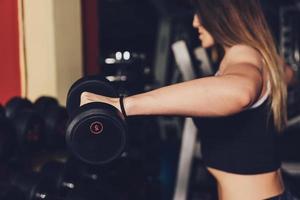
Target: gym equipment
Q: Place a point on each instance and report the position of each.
(130, 75)
(87, 192)
(56, 172)
(63, 176)
(71, 177)
(15, 105)
(28, 125)
(33, 186)
(45, 103)
(122, 179)
(55, 118)
(2, 112)
(292, 181)
(129, 177)
(289, 35)
(10, 193)
(7, 140)
(96, 132)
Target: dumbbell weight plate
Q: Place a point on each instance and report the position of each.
(2, 112)
(93, 84)
(8, 192)
(98, 138)
(28, 124)
(7, 140)
(14, 105)
(55, 117)
(96, 131)
(33, 185)
(29, 129)
(44, 104)
(55, 123)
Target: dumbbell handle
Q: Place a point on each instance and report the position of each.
(44, 196)
(67, 185)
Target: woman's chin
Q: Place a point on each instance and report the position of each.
(205, 45)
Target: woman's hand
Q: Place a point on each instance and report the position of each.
(87, 97)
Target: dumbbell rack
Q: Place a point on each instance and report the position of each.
(289, 35)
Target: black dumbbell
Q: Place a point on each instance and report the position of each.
(55, 118)
(32, 185)
(69, 178)
(85, 192)
(28, 125)
(44, 104)
(70, 174)
(8, 192)
(2, 112)
(56, 172)
(96, 132)
(7, 140)
(128, 177)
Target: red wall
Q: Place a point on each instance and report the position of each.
(90, 36)
(10, 81)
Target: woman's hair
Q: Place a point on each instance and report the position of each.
(232, 22)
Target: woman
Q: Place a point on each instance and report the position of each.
(240, 111)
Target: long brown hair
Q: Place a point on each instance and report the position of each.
(232, 22)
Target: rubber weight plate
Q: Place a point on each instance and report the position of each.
(94, 84)
(15, 105)
(96, 132)
(44, 104)
(7, 140)
(29, 128)
(2, 112)
(55, 118)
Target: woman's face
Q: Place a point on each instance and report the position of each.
(205, 37)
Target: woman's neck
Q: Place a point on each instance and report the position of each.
(226, 48)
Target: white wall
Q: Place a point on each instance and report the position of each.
(53, 46)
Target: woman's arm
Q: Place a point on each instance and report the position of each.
(236, 89)
(222, 95)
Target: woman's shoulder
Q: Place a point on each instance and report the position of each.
(245, 54)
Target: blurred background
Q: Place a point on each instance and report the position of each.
(139, 45)
(46, 45)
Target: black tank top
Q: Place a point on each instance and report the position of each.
(244, 143)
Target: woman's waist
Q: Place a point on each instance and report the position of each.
(257, 186)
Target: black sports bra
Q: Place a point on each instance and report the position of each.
(244, 143)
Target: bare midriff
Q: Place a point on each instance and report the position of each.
(247, 187)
